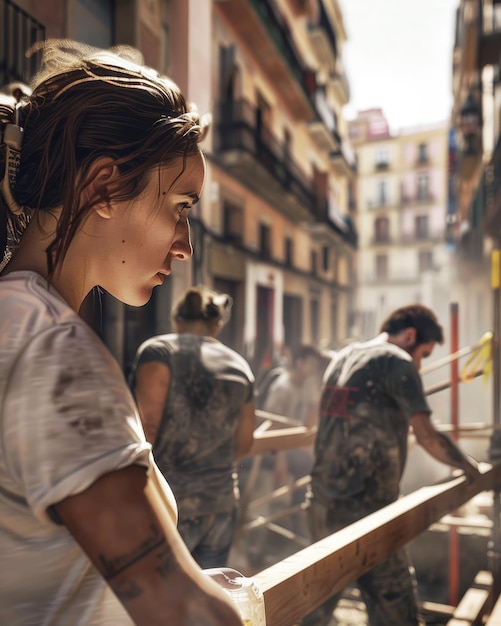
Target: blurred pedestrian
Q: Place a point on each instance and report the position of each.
(295, 393)
(372, 393)
(196, 399)
(100, 166)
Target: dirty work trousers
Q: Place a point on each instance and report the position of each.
(389, 589)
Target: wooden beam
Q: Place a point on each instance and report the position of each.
(282, 439)
(295, 586)
(495, 616)
(268, 440)
(476, 602)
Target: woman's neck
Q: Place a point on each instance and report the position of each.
(31, 255)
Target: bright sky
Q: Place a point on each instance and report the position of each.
(398, 57)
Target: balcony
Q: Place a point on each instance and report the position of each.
(343, 159)
(20, 32)
(418, 198)
(489, 47)
(417, 238)
(254, 156)
(492, 191)
(470, 44)
(382, 240)
(323, 129)
(340, 84)
(380, 203)
(335, 226)
(323, 38)
(263, 29)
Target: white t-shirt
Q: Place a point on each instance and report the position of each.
(66, 418)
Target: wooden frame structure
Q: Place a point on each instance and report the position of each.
(298, 584)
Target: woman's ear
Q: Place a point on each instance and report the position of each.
(102, 176)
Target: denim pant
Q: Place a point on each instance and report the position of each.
(389, 589)
(209, 537)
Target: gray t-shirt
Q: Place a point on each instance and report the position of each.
(370, 391)
(210, 383)
(290, 400)
(66, 418)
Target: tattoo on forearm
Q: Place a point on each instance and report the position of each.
(165, 562)
(127, 590)
(452, 451)
(115, 566)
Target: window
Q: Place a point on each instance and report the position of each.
(382, 230)
(421, 224)
(326, 257)
(382, 192)
(422, 153)
(381, 266)
(425, 260)
(289, 252)
(382, 158)
(227, 72)
(314, 261)
(314, 320)
(233, 222)
(265, 241)
(422, 190)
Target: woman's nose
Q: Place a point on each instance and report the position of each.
(181, 248)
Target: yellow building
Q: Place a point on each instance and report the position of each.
(274, 226)
(401, 209)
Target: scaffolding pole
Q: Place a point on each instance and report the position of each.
(453, 533)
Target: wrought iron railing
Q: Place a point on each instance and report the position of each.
(237, 128)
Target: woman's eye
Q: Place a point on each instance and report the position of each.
(182, 208)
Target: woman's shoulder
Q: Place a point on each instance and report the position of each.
(28, 302)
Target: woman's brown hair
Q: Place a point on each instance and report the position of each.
(87, 104)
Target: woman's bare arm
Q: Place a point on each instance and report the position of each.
(123, 525)
(244, 434)
(152, 389)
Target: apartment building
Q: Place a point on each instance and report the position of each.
(474, 211)
(401, 202)
(274, 227)
(278, 233)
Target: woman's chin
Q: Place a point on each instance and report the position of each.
(136, 299)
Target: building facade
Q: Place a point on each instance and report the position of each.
(401, 210)
(273, 228)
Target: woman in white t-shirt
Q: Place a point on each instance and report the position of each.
(100, 166)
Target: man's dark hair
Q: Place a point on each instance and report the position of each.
(415, 316)
(303, 351)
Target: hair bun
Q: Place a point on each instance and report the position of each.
(202, 303)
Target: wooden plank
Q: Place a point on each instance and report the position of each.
(282, 439)
(483, 580)
(473, 604)
(298, 584)
(495, 616)
(445, 610)
(287, 437)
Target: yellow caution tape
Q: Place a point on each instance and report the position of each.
(479, 359)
